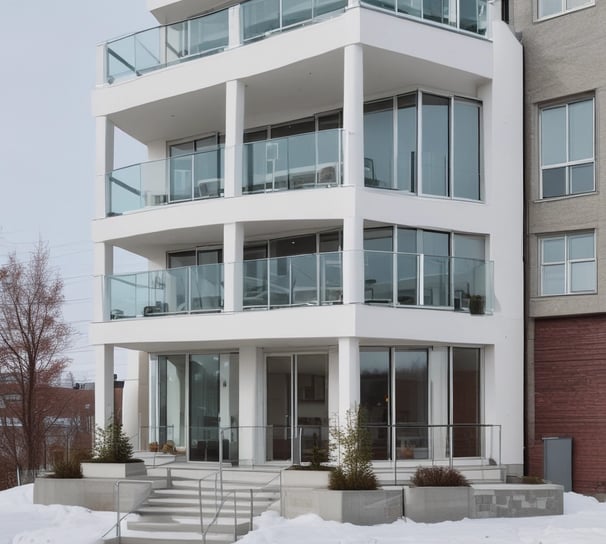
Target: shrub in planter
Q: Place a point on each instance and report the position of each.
(438, 477)
(354, 471)
(153, 447)
(112, 445)
(67, 468)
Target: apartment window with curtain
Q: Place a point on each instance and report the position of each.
(567, 264)
(550, 8)
(567, 148)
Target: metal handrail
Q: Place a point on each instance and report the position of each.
(117, 500)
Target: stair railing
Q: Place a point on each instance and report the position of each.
(200, 480)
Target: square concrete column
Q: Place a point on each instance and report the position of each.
(251, 434)
(104, 385)
(234, 134)
(104, 163)
(235, 38)
(353, 115)
(233, 253)
(349, 376)
(353, 260)
(103, 266)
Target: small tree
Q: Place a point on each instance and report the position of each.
(112, 445)
(353, 443)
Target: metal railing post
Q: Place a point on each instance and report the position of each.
(451, 448)
(200, 506)
(118, 532)
(221, 434)
(235, 518)
(252, 498)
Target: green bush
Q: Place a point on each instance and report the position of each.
(112, 445)
(438, 477)
(67, 468)
(354, 471)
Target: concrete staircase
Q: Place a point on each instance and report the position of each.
(172, 514)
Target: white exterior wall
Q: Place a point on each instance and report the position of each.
(237, 87)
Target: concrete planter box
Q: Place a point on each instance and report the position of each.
(317, 479)
(357, 507)
(95, 494)
(113, 470)
(433, 504)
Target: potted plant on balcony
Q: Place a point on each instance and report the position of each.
(477, 304)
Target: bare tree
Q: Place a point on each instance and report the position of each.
(33, 339)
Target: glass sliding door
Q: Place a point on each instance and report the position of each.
(466, 150)
(466, 414)
(379, 144)
(407, 142)
(411, 404)
(171, 400)
(374, 398)
(435, 145)
(297, 406)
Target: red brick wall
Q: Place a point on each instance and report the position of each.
(570, 395)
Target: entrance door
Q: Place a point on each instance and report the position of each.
(297, 406)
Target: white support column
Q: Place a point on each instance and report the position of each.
(233, 253)
(135, 400)
(353, 260)
(349, 376)
(235, 36)
(234, 133)
(353, 115)
(104, 385)
(103, 265)
(251, 438)
(104, 163)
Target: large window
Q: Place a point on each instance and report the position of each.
(548, 8)
(424, 143)
(567, 149)
(568, 264)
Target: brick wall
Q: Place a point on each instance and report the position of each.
(570, 395)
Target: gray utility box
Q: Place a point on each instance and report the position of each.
(557, 461)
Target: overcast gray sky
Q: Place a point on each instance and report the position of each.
(47, 73)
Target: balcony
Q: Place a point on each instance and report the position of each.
(408, 279)
(309, 160)
(467, 15)
(393, 279)
(156, 183)
(302, 161)
(159, 47)
(184, 290)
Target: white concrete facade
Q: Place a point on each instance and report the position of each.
(338, 64)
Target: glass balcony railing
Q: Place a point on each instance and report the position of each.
(262, 17)
(295, 162)
(162, 46)
(312, 279)
(469, 15)
(155, 183)
(408, 279)
(164, 292)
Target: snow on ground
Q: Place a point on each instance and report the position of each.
(584, 522)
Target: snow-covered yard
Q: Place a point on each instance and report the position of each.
(584, 522)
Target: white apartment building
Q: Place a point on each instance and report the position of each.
(332, 215)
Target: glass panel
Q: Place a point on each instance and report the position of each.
(549, 7)
(312, 403)
(581, 178)
(255, 283)
(296, 245)
(208, 33)
(472, 15)
(378, 277)
(208, 173)
(466, 150)
(469, 269)
(229, 407)
(296, 11)
(121, 59)
(580, 130)
(436, 10)
(554, 250)
(304, 279)
(411, 399)
(331, 274)
(436, 243)
(571, 4)
(407, 240)
(206, 287)
(171, 403)
(553, 135)
(328, 169)
(582, 276)
(378, 144)
(374, 398)
(469, 246)
(330, 241)
(125, 190)
(181, 178)
(411, 7)
(326, 6)
(407, 278)
(552, 281)
(279, 408)
(380, 239)
(554, 182)
(147, 50)
(204, 406)
(466, 402)
(580, 246)
(435, 114)
(436, 274)
(259, 17)
(183, 258)
(280, 282)
(407, 142)
(385, 4)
